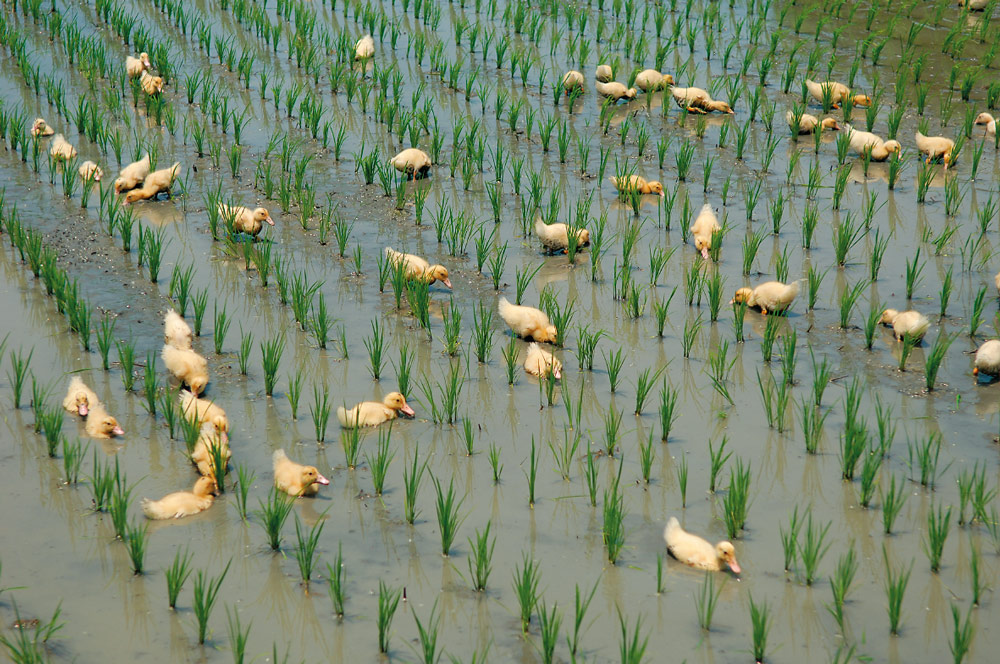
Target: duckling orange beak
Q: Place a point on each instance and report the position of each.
(321, 480)
(704, 254)
(82, 409)
(733, 565)
(975, 371)
(118, 431)
(269, 220)
(556, 372)
(732, 301)
(446, 282)
(406, 410)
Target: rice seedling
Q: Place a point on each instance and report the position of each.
(135, 544)
(893, 499)
(238, 635)
(760, 619)
(526, 578)
(411, 485)
(613, 363)
(840, 583)
(206, 591)
(104, 332)
(379, 464)
(960, 641)
(29, 644)
(848, 298)
(853, 443)
(388, 602)
(177, 574)
(581, 602)
(586, 345)
(482, 332)
(126, 358)
(790, 539)
(273, 514)
(691, 328)
(305, 550)
(935, 358)
(495, 465)
(975, 579)
(447, 512)
(736, 501)
(73, 454)
(271, 352)
(481, 561)
(938, 523)
(976, 317)
(614, 523)
(51, 422)
(221, 328)
(335, 577)
(719, 458)
(522, 279)
(706, 601)
(769, 338)
(895, 584)
(631, 649)
(812, 548)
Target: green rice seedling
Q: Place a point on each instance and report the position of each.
(497, 261)
(790, 539)
(644, 383)
(510, 360)
(135, 543)
(29, 644)
(156, 242)
(150, 384)
(246, 345)
(892, 500)
(294, 392)
(631, 649)
(39, 393)
(974, 572)
(177, 574)
(452, 329)
(379, 464)
(646, 456)
(810, 219)
(760, 619)
(869, 476)
(273, 515)
(614, 363)
(482, 332)
(126, 357)
(935, 357)
(105, 338)
(244, 480)
(411, 485)
(271, 352)
(586, 345)
(788, 361)
(494, 456)
(612, 429)
(895, 584)
(121, 499)
(418, 297)
(871, 323)
(982, 495)
(404, 368)
(305, 550)
(522, 280)
(590, 477)
(481, 560)
(447, 508)
(719, 458)
(238, 635)
(853, 443)
(691, 328)
(715, 287)
(840, 583)
(565, 453)
(206, 591)
(812, 548)
(769, 338)
(978, 305)
(532, 473)
(335, 580)
(938, 523)
(375, 345)
(960, 641)
(549, 623)
(813, 418)
(736, 502)
(221, 328)
(52, 421)
(428, 636)
(668, 410)
(706, 601)
(73, 454)
(925, 455)
(581, 603)
(525, 584)
(848, 299)
(845, 236)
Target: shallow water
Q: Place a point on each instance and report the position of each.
(61, 551)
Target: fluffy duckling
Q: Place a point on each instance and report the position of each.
(41, 128)
(807, 123)
(418, 268)
(294, 478)
(988, 359)
(703, 228)
(374, 413)
(61, 150)
(100, 424)
(182, 503)
(156, 182)
(572, 80)
(540, 362)
(772, 296)
(136, 66)
(989, 121)
(246, 220)
(603, 73)
(904, 323)
(974, 5)
(696, 100)
(650, 80)
(555, 237)
(364, 48)
(838, 93)
(89, 170)
(638, 183)
(412, 161)
(151, 85)
(527, 322)
(615, 90)
(697, 552)
(203, 411)
(187, 366)
(864, 140)
(79, 398)
(132, 175)
(176, 331)
(203, 456)
(935, 147)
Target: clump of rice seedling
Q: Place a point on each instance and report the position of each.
(411, 484)
(126, 357)
(896, 581)
(73, 454)
(335, 579)
(790, 539)
(840, 583)
(177, 574)
(510, 360)
(495, 465)
(222, 323)
(105, 333)
(447, 512)
(892, 500)
(925, 457)
(526, 578)
(206, 591)
(388, 602)
(379, 464)
(719, 458)
(273, 515)
(614, 523)
(305, 551)
(238, 635)
(812, 548)
(481, 560)
(706, 600)
(736, 502)
(935, 357)
(614, 363)
(938, 523)
(631, 649)
(682, 479)
(760, 619)
(960, 640)
(270, 357)
(244, 480)
(135, 543)
(581, 603)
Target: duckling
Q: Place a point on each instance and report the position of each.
(132, 175)
(863, 140)
(187, 366)
(696, 100)
(704, 227)
(989, 121)
(412, 161)
(294, 478)
(246, 220)
(61, 150)
(974, 5)
(41, 128)
(912, 323)
(136, 66)
(807, 123)
(650, 80)
(364, 48)
(540, 362)
(555, 237)
(615, 90)
(638, 183)
(203, 411)
(203, 454)
(151, 85)
(603, 73)
(182, 503)
(176, 331)
(772, 296)
(935, 147)
(100, 424)
(988, 359)
(572, 80)
(90, 171)
(373, 413)
(996, 281)
(696, 552)
(527, 322)
(79, 398)
(838, 93)
(156, 182)
(417, 268)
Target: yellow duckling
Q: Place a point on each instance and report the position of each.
(418, 268)
(555, 237)
(638, 183)
(100, 424)
(132, 175)
(373, 413)
(696, 100)
(41, 128)
(182, 503)
(136, 66)
(203, 454)
(186, 366)
(90, 171)
(650, 80)
(808, 123)
(864, 140)
(294, 478)
(697, 552)
(79, 398)
(974, 5)
(771, 296)
(703, 229)
(989, 121)
(572, 80)
(935, 147)
(155, 183)
(527, 322)
(912, 323)
(838, 93)
(603, 73)
(540, 362)
(615, 90)
(151, 85)
(364, 48)
(176, 331)
(412, 161)
(202, 411)
(246, 220)
(61, 150)
(988, 359)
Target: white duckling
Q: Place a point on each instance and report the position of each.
(703, 229)
(527, 322)
(182, 503)
(100, 424)
(203, 454)
(935, 147)
(988, 359)
(412, 161)
(41, 128)
(176, 331)
(294, 478)
(187, 366)
(540, 362)
(863, 140)
(615, 90)
(989, 121)
(555, 237)
(90, 171)
(696, 100)
(202, 411)
(808, 123)
(364, 48)
(418, 268)
(246, 220)
(136, 66)
(912, 323)
(572, 80)
(838, 93)
(61, 150)
(650, 80)
(638, 183)
(772, 296)
(156, 182)
(697, 552)
(603, 73)
(79, 398)
(373, 413)
(132, 175)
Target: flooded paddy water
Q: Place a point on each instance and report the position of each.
(264, 105)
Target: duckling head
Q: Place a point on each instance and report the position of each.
(668, 79)
(549, 334)
(198, 384)
(133, 196)
(892, 146)
(310, 476)
(583, 236)
(830, 124)
(144, 59)
(82, 404)
(888, 317)
(655, 187)
(981, 119)
(397, 401)
(703, 245)
(109, 425)
(205, 486)
(555, 366)
(220, 424)
(742, 295)
(631, 93)
(727, 554)
(723, 107)
(862, 100)
(262, 215)
(38, 127)
(439, 273)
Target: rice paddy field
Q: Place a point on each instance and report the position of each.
(514, 518)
